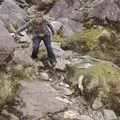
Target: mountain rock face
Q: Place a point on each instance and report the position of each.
(104, 9)
(73, 13)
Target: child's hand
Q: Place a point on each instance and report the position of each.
(13, 35)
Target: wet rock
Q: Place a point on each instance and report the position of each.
(109, 115)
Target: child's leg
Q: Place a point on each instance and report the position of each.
(36, 44)
(47, 43)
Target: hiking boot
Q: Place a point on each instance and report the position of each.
(46, 63)
(53, 62)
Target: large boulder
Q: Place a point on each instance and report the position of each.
(69, 14)
(98, 81)
(104, 9)
(10, 12)
(77, 14)
(7, 45)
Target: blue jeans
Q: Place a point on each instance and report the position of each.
(47, 42)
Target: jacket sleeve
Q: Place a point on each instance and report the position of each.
(51, 28)
(23, 27)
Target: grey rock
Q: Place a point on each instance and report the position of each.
(97, 115)
(10, 12)
(109, 115)
(44, 76)
(104, 9)
(39, 98)
(22, 56)
(84, 117)
(69, 14)
(7, 45)
(73, 13)
(71, 115)
(11, 116)
(97, 104)
(74, 115)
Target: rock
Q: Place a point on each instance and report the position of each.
(44, 76)
(84, 117)
(97, 81)
(77, 14)
(22, 3)
(23, 57)
(70, 26)
(71, 115)
(56, 25)
(38, 98)
(98, 115)
(11, 116)
(61, 56)
(106, 10)
(109, 115)
(97, 104)
(44, 4)
(69, 14)
(7, 46)
(10, 13)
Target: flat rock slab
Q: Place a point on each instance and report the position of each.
(39, 98)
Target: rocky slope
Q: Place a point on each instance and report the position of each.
(79, 87)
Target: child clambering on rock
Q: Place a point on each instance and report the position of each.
(40, 30)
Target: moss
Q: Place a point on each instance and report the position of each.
(88, 22)
(87, 40)
(13, 27)
(58, 38)
(42, 54)
(8, 88)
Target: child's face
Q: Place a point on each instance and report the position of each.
(39, 17)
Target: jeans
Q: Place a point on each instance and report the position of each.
(47, 42)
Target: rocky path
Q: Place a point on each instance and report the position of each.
(50, 98)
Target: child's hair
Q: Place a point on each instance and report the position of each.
(39, 13)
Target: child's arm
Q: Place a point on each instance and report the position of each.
(50, 26)
(24, 27)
